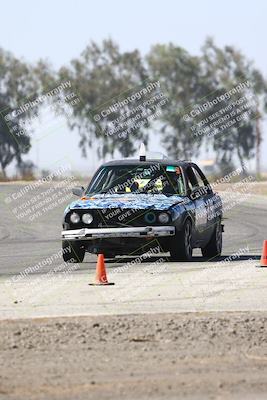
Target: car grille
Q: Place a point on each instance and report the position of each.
(116, 217)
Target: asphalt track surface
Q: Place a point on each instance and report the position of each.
(25, 243)
(149, 286)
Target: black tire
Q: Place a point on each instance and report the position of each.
(181, 244)
(214, 247)
(72, 252)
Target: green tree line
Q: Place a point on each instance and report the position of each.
(103, 74)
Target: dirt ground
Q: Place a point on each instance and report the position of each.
(255, 188)
(173, 356)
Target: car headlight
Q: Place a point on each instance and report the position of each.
(150, 217)
(75, 218)
(87, 218)
(164, 218)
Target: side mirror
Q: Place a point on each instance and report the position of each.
(78, 190)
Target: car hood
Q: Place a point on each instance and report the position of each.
(132, 201)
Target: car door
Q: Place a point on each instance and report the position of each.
(201, 195)
(207, 206)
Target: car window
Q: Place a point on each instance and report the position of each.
(192, 179)
(154, 178)
(199, 179)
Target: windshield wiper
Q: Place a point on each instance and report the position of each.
(171, 194)
(106, 191)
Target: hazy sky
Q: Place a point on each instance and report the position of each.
(59, 30)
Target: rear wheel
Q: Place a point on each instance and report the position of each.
(181, 244)
(72, 251)
(214, 247)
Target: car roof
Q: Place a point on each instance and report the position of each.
(131, 161)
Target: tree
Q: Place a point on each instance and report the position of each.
(26, 169)
(180, 76)
(17, 81)
(102, 76)
(10, 148)
(223, 70)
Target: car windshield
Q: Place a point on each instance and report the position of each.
(145, 179)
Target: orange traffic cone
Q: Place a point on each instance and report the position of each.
(264, 254)
(101, 276)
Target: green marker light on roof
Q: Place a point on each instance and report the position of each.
(170, 168)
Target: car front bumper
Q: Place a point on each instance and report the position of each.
(102, 233)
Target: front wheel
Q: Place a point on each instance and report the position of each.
(72, 252)
(214, 247)
(181, 244)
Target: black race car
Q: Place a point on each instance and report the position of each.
(133, 205)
